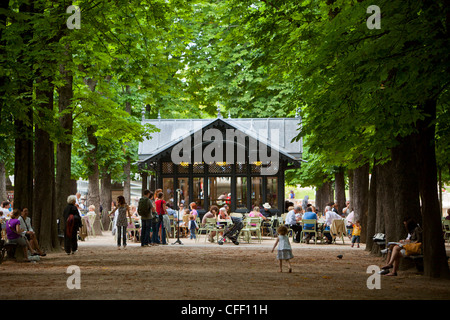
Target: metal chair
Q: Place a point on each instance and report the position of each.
(208, 227)
(251, 225)
(446, 229)
(312, 222)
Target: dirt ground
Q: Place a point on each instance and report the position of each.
(207, 271)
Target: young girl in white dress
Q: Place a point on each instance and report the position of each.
(284, 247)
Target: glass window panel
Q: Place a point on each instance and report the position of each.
(219, 191)
(183, 195)
(198, 193)
(168, 190)
(241, 193)
(257, 191)
(272, 191)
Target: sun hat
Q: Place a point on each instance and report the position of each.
(267, 205)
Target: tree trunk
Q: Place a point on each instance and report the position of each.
(44, 218)
(127, 166)
(23, 125)
(93, 197)
(3, 193)
(435, 258)
(105, 197)
(127, 182)
(324, 195)
(361, 197)
(372, 212)
(406, 189)
(64, 148)
(350, 190)
(388, 206)
(339, 184)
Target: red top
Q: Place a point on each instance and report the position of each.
(159, 206)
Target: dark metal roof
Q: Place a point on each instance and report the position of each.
(173, 131)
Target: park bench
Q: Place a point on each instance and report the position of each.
(7, 250)
(417, 260)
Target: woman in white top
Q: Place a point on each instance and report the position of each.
(25, 224)
(284, 247)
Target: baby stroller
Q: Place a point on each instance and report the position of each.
(232, 232)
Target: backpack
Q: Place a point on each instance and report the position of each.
(145, 208)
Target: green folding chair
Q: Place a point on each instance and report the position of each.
(313, 230)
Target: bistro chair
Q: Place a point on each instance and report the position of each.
(313, 230)
(446, 229)
(338, 229)
(251, 225)
(111, 221)
(131, 228)
(208, 227)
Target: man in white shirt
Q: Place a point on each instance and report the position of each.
(329, 217)
(291, 222)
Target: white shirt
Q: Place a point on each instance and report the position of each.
(330, 216)
(290, 218)
(25, 225)
(350, 218)
(5, 212)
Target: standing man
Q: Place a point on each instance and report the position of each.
(291, 222)
(145, 211)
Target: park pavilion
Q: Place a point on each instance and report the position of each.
(240, 162)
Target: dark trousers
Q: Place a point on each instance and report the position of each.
(145, 232)
(154, 238)
(71, 243)
(160, 225)
(122, 234)
(297, 231)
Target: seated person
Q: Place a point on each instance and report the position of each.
(329, 217)
(309, 215)
(25, 224)
(292, 221)
(212, 213)
(14, 234)
(396, 251)
(223, 214)
(256, 213)
(266, 212)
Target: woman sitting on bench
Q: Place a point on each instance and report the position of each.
(397, 252)
(14, 234)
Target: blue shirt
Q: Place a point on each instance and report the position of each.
(309, 215)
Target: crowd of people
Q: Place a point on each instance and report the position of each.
(153, 217)
(324, 221)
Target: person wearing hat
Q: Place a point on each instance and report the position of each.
(266, 213)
